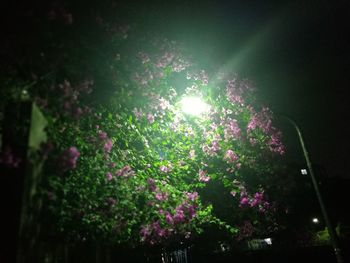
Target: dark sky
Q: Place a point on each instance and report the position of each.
(296, 52)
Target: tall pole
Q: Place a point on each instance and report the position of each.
(330, 229)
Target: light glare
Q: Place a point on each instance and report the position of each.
(193, 105)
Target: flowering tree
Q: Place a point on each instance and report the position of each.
(138, 168)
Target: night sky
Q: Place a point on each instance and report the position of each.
(296, 52)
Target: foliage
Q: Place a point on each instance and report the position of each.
(126, 165)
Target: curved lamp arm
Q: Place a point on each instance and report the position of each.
(330, 229)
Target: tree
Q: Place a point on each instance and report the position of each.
(126, 163)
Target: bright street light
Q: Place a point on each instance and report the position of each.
(315, 220)
(193, 106)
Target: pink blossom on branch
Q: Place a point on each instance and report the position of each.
(109, 176)
(179, 216)
(232, 130)
(203, 177)
(169, 218)
(150, 117)
(275, 143)
(126, 171)
(212, 149)
(261, 120)
(161, 196)
(244, 201)
(151, 184)
(69, 158)
(230, 156)
(192, 196)
(165, 169)
(138, 113)
(102, 135)
(108, 146)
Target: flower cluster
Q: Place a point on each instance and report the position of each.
(69, 158)
(68, 98)
(171, 222)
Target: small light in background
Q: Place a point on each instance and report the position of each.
(315, 220)
(303, 171)
(268, 241)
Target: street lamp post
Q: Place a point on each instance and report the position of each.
(330, 229)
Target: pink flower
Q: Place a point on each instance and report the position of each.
(191, 211)
(192, 196)
(102, 135)
(169, 219)
(164, 169)
(145, 232)
(109, 176)
(69, 158)
(126, 171)
(265, 206)
(261, 120)
(161, 196)
(212, 149)
(244, 201)
(151, 184)
(275, 143)
(108, 146)
(150, 117)
(138, 113)
(230, 156)
(179, 216)
(164, 60)
(203, 177)
(257, 200)
(163, 104)
(232, 130)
